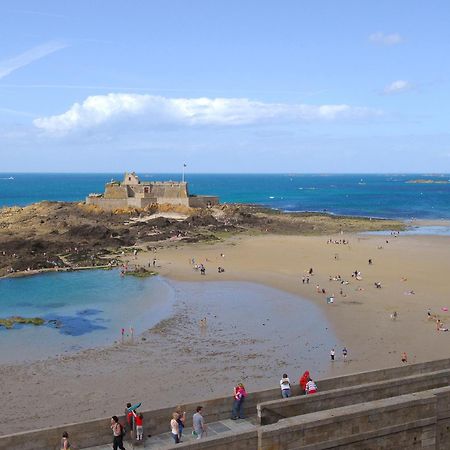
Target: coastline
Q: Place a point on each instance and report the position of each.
(360, 321)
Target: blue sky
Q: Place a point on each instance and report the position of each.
(225, 86)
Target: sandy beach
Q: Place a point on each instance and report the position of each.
(178, 362)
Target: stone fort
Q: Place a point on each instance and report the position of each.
(134, 193)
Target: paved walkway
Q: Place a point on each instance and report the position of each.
(165, 441)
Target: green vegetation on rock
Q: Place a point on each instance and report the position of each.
(140, 273)
(9, 322)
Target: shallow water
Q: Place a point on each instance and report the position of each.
(89, 309)
(423, 230)
(83, 309)
(285, 330)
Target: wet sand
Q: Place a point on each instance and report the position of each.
(253, 334)
(180, 362)
(361, 317)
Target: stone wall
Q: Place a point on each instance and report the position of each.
(202, 201)
(414, 420)
(402, 422)
(272, 411)
(226, 441)
(107, 204)
(115, 192)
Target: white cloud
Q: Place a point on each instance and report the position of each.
(386, 39)
(398, 86)
(8, 66)
(153, 110)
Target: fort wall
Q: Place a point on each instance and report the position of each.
(115, 192)
(413, 420)
(134, 194)
(272, 411)
(403, 422)
(108, 204)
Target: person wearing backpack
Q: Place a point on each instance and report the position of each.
(118, 433)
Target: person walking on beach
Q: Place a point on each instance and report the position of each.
(174, 428)
(404, 358)
(285, 385)
(332, 354)
(238, 403)
(198, 423)
(302, 382)
(118, 433)
(344, 353)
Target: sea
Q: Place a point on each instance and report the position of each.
(375, 195)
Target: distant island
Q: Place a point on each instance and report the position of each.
(428, 181)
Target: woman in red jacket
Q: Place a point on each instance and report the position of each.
(303, 381)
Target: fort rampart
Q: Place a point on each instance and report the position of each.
(396, 408)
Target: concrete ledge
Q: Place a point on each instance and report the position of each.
(362, 439)
(272, 411)
(407, 414)
(229, 440)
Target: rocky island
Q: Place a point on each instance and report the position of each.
(67, 236)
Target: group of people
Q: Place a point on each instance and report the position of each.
(135, 423)
(178, 422)
(307, 385)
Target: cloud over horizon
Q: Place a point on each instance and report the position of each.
(10, 65)
(150, 110)
(397, 87)
(386, 39)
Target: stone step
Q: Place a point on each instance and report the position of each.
(165, 441)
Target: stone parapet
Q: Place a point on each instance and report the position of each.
(413, 420)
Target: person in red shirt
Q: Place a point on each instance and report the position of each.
(303, 381)
(138, 420)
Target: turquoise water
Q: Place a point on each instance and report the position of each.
(83, 309)
(91, 308)
(383, 195)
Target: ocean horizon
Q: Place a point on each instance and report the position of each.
(393, 196)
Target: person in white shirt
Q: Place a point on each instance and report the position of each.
(285, 385)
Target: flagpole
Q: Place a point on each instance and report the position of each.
(182, 175)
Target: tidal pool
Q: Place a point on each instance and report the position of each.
(82, 310)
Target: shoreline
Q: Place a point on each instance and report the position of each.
(360, 319)
(30, 273)
(410, 223)
(213, 358)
